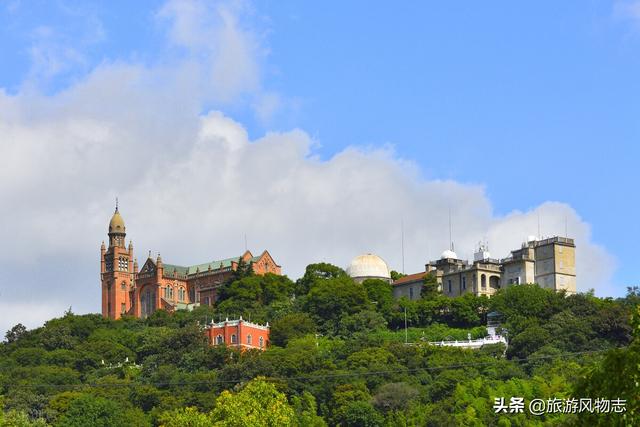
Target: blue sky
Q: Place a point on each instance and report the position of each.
(531, 103)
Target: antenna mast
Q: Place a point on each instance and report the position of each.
(402, 241)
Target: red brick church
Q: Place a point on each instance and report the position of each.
(158, 285)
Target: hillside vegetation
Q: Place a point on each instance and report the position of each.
(337, 357)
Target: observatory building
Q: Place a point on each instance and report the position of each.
(368, 266)
(550, 262)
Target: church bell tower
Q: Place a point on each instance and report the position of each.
(116, 270)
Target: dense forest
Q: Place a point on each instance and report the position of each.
(337, 356)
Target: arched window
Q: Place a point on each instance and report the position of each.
(234, 339)
(249, 339)
(219, 339)
(181, 294)
(261, 342)
(483, 281)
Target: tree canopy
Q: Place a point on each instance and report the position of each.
(337, 357)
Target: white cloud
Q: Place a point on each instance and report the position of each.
(227, 54)
(191, 186)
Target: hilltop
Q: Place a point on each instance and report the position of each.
(337, 357)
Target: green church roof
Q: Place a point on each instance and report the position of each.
(188, 271)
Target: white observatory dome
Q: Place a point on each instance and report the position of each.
(368, 266)
(449, 254)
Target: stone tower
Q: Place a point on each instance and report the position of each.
(116, 270)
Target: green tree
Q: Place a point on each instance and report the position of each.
(361, 322)
(91, 411)
(257, 290)
(291, 326)
(380, 293)
(358, 414)
(243, 269)
(306, 410)
(315, 273)
(185, 417)
(529, 301)
(15, 333)
(258, 404)
(617, 376)
(15, 418)
(395, 275)
(430, 286)
(394, 396)
(332, 299)
(528, 341)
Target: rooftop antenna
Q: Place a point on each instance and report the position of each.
(402, 241)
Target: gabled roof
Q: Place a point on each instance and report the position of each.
(410, 278)
(264, 254)
(149, 265)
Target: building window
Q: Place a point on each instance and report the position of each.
(449, 283)
(261, 342)
(249, 339)
(464, 283)
(219, 339)
(206, 300)
(410, 293)
(234, 339)
(123, 308)
(181, 294)
(483, 281)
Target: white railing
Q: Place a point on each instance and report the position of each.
(495, 339)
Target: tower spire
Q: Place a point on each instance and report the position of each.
(116, 204)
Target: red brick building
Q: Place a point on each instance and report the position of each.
(157, 285)
(239, 333)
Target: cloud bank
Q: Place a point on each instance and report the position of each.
(192, 184)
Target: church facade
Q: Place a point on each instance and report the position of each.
(157, 285)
